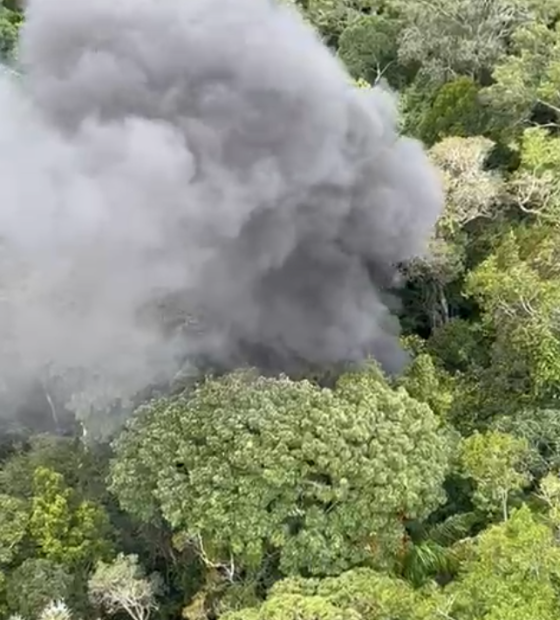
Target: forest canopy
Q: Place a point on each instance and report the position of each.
(343, 492)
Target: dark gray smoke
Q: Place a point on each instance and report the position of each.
(195, 178)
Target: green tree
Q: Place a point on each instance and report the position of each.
(512, 573)
(474, 196)
(3, 600)
(449, 38)
(331, 17)
(549, 491)
(534, 187)
(14, 516)
(10, 22)
(83, 468)
(361, 594)
(35, 584)
(295, 607)
(369, 47)
(498, 464)
(427, 382)
(540, 428)
(247, 465)
(526, 80)
(67, 530)
(459, 346)
(518, 291)
(455, 110)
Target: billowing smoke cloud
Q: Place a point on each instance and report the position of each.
(195, 178)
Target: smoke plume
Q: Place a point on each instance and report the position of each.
(195, 180)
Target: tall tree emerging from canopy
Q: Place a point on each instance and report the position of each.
(448, 38)
(248, 466)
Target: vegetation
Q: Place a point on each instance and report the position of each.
(432, 495)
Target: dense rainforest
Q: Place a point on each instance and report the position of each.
(434, 494)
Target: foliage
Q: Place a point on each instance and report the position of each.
(430, 384)
(67, 530)
(534, 187)
(512, 573)
(34, 584)
(456, 110)
(518, 292)
(460, 345)
(81, 467)
(472, 191)
(14, 515)
(457, 37)
(432, 494)
(123, 586)
(550, 493)
(271, 463)
(56, 610)
(355, 595)
(540, 428)
(526, 79)
(497, 463)
(10, 22)
(368, 47)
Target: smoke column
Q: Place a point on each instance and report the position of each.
(185, 179)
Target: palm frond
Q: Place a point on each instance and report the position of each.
(453, 528)
(426, 561)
